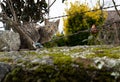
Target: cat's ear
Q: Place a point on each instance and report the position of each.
(57, 22)
(46, 21)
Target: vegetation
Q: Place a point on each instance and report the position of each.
(81, 18)
(19, 14)
(59, 73)
(25, 11)
(63, 64)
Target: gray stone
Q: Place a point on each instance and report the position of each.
(9, 41)
(4, 69)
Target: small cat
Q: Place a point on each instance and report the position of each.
(47, 32)
(39, 34)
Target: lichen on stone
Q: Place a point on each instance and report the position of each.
(64, 64)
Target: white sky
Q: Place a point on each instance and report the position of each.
(58, 8)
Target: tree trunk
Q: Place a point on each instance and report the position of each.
(30, 35)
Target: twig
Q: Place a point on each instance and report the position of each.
(81, 31)
(12, 10)
(116, 8)
(51, 4)
(82, 12)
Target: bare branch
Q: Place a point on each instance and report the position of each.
(103, 3)
(116, 8)
(51, 4)
(1, 14)
(12, 10)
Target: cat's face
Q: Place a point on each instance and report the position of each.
(51, 26)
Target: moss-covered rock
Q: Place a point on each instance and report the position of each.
(64, 64)
(59, 73)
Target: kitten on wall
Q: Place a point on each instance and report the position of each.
(47, 32)
(39, 34)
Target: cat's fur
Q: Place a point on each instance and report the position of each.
(47, 32)
(40, 34)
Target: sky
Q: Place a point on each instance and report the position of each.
(58, 8)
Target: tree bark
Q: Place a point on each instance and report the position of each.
(23, 33)
(29, 41)
(30, 35)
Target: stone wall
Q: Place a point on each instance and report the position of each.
(9, 41)
(62, 64)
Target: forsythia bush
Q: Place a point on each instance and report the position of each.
(79, 20)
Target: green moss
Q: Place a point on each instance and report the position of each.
(31, 65)
(76, 50)
(1, 53)
(20, 61)
(14, 76)
(59, 73)
(32, 53)
(60, 58)
(64, 68)
(108, 52)
(6, 59)
(104, 76)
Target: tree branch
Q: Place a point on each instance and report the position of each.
(12, 10)
(116, 8)
(16, 26)
(3, 11)
(51, 4)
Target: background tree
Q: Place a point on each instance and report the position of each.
(25, 10)
(80, 20)
(20, 16)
